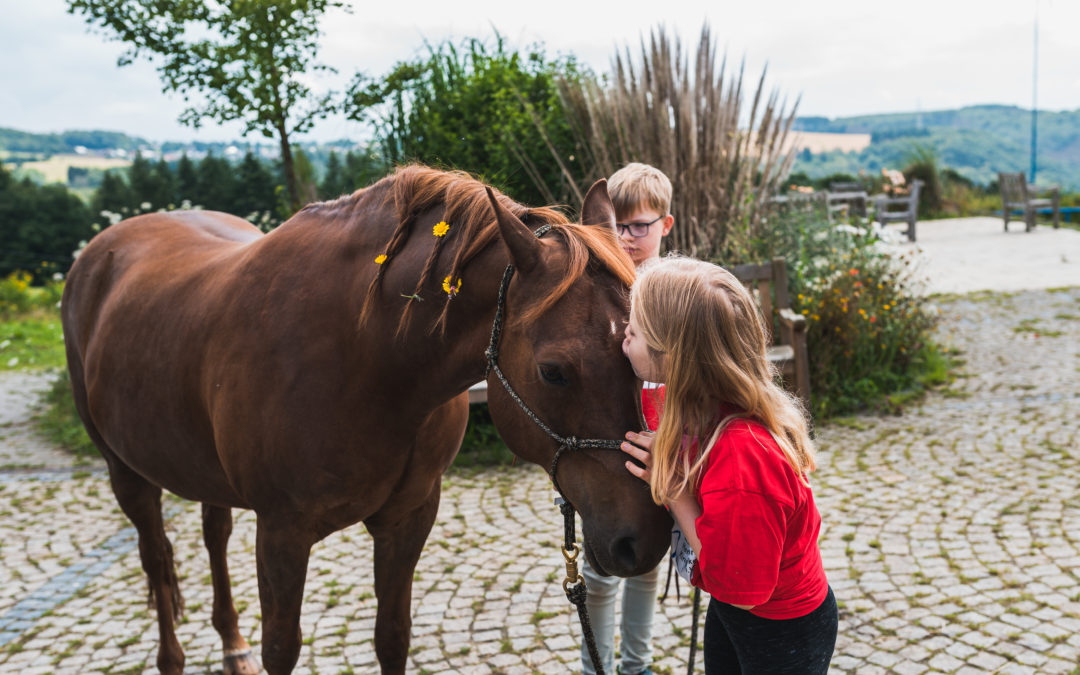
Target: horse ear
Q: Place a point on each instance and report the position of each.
(523, 244)
(597, 209)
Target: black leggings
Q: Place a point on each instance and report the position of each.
(740, 643)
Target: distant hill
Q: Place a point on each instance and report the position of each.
(21, 143)
(976, 141)
(15, 141)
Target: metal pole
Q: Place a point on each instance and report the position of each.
(1034, 97)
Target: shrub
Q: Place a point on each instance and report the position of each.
(869, 325)
(480, 108)
(15, 297)
(922, 164)
(482, 445)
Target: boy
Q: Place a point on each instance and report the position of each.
(642, 198)
(641, 195)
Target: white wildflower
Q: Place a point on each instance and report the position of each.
(850, 229)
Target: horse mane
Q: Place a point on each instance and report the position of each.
(415, 189)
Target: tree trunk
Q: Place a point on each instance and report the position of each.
(289, 169)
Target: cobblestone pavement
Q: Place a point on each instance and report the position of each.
(951, 537)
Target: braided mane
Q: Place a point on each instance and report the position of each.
(416, 189)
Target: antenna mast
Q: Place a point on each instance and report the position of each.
(1034, 96)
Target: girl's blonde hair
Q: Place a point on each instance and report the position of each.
(706, 324)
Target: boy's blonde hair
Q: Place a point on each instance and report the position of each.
(637, 185)
(707, 325)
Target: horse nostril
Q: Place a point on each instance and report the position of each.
(624, 553)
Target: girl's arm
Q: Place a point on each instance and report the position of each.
(684, 508)
(685, 511)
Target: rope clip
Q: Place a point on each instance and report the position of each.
(572, 575)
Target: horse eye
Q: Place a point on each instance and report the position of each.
(552, 375)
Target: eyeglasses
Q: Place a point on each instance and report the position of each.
(636, 230)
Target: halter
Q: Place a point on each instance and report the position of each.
(574, 583)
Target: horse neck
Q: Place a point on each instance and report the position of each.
(464, 338)
(449, 356)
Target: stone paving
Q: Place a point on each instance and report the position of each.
(951, 536)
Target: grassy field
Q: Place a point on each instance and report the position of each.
(55, 169)
(32, 341)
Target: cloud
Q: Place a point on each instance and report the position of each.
(843, 57)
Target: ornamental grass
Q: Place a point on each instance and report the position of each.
(685, 114)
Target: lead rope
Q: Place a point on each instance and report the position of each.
(693, 631)
(697, 609)
(574, 584)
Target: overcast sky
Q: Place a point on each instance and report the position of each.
(843, 57)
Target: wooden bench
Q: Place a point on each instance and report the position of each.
(769, 285)
(846, 198)
(1017, 195)
(903, 209)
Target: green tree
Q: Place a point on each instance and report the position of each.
(304, 171)
(255, 187)
(141, 181)
(40, 226)
(113, 195)
(187, 181)
(164, 186)
(248, 60)
(333, 182)
(487, 110)
(363, 168)
(150, 184)
(216, 187)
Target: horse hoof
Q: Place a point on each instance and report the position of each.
(241, 663)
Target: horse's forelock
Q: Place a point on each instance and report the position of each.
(585, 244)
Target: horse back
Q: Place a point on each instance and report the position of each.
(147, 255)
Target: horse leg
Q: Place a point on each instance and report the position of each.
(141, 503)
(282, 548)
(217, 526)
(398, 542)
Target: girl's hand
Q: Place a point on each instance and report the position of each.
(640, 448)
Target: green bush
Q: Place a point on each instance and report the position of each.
(18, 297)
(482, 445)
(15, 297)
(869, 328)
(922, 164)
(479, 108)
(869, 325)
(60, 421)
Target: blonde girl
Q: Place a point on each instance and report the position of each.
(731, 459)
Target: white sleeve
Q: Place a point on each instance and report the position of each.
(681, 554)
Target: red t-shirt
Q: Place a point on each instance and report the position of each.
(758, 528)
(652, 402)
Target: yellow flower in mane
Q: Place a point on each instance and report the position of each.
(380, 259)
(441, 228)
(451, 290)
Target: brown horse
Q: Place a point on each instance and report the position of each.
(316, 375)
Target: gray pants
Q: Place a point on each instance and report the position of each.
(638, 602)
